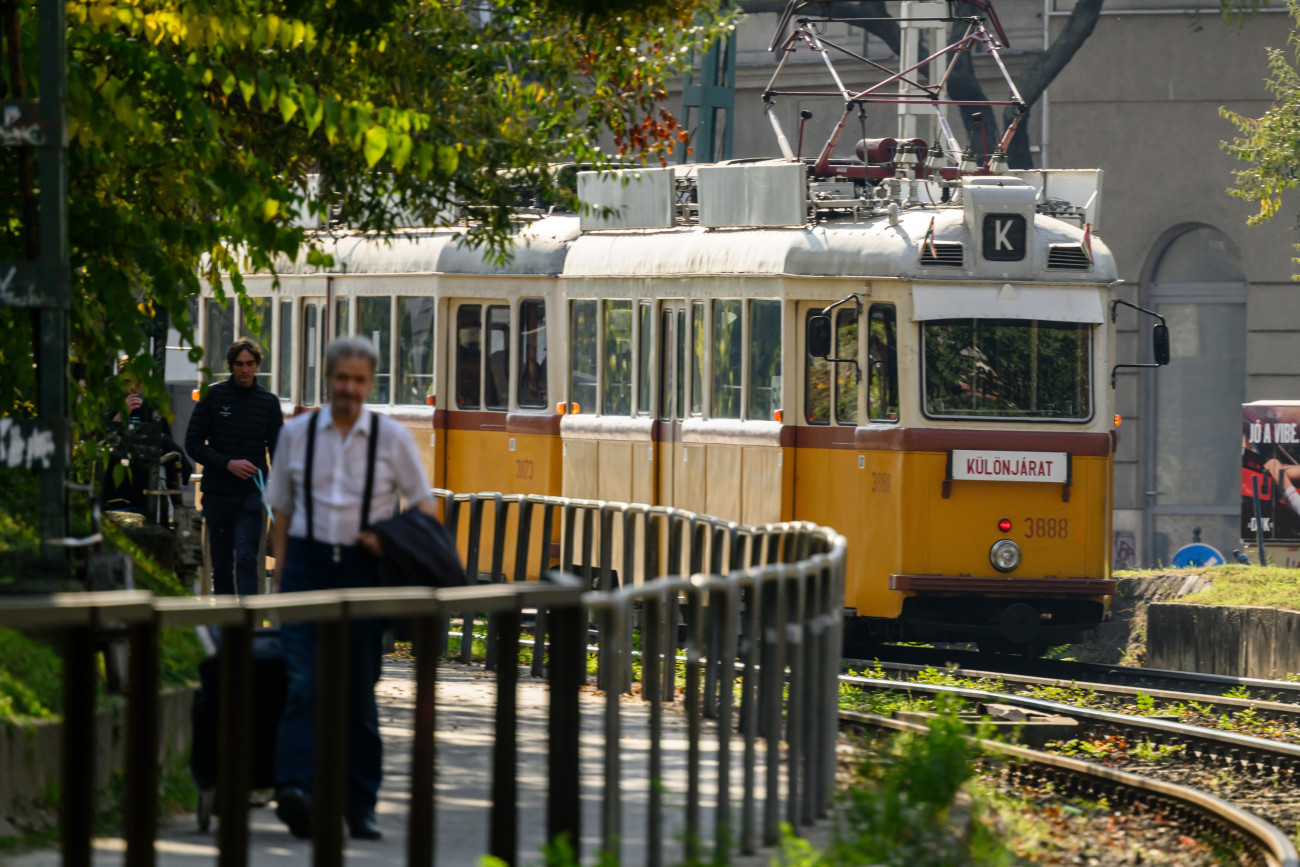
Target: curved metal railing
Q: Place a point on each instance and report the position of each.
(752, 615)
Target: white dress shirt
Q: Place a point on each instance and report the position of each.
(339, 475)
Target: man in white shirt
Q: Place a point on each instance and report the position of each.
(318, 489)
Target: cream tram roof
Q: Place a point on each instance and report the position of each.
(755, 220)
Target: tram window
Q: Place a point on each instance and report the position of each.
(667, 366)
(259, 332)
(532, 353)
(375, 321)
(764, 359)
(220, 333)
(727, 351)
(882, 364)
(681, 364)
(311, 354)
(846, 372)
(284, 353)
(414, 349)
(496, 386)
(618, 358)
(582, 358)
(342, 328)
(645, 357)
(817, 386)
(1009, 368)
(697, 358)
(469, 355)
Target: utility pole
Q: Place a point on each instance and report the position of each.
(43, 286)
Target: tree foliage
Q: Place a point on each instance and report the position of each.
(1271, 144)
(196, 124)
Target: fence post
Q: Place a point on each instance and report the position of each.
(692, 699)
(471, 572)
(503, 823)
(234, 738)
(566, 674)
(142, 725)
(331, 724)
(420, 836)
(77, 816)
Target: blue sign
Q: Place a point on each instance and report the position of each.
(1196, 555)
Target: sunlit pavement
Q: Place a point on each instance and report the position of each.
(464, 742)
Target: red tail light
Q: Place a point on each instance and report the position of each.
(1005, 525)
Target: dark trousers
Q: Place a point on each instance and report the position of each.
(234, 525)
(315, 566)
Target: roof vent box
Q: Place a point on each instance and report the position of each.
(634, 198)
(753, 195)
(999, 214)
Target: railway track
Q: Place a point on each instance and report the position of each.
(1255, 842)
(1254, 774)
(1065, 670)
(1284, 711)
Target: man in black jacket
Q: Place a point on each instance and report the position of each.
(233, 430)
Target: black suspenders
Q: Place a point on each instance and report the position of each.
(371, 448)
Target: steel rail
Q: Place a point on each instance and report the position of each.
(1244, 750)
(1268, 709)
(1185, 681)
(1269, 844)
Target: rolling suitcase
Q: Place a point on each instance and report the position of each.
(269, 688)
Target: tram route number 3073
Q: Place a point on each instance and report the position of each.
(1047, 528)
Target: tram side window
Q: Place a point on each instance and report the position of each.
(414, 350)
(645, 357)
(311, 354)
(220, 333)
(260, 333)
(816, 385)
(697, 358)
(375, 321)
(618, 358)
(846, 372)
(764, 359)
(582, 355)
(532, 353)
(284, 352)
(342, 328)
(882, 364)
(680, 404)
(727, 348)
(496, 391)
(469, 355)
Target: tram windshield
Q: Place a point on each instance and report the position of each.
(1007, 368)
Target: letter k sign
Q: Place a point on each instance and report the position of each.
(1004, 237)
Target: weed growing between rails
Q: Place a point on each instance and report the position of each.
(914, 801)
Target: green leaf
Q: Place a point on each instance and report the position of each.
(313, 110)
(402, 151)
(265, 89)
(247, 85)
(448, 159)
(288, 108)
(270, 207)
(374, 144)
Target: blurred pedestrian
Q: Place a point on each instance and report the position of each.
(334, 470)
(232, 431)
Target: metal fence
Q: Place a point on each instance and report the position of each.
(751, 616)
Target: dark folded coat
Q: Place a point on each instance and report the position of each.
(418, 552)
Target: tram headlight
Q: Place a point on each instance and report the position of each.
(1004, 555)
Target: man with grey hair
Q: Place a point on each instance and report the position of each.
(334, 471)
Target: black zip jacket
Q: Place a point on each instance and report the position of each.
(233, 423)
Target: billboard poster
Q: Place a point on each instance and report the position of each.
(1270, 458)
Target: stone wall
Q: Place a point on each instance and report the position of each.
(30, 761)
(1236, 641)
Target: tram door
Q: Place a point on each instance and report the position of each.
(311, 348)
(671, 374)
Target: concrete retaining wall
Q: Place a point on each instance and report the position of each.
(30, 761)
(1236, 641)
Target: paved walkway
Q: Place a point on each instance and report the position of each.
(464, 737)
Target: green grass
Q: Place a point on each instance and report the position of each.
(1265, 586)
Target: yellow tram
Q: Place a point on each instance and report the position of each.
(916, 355)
